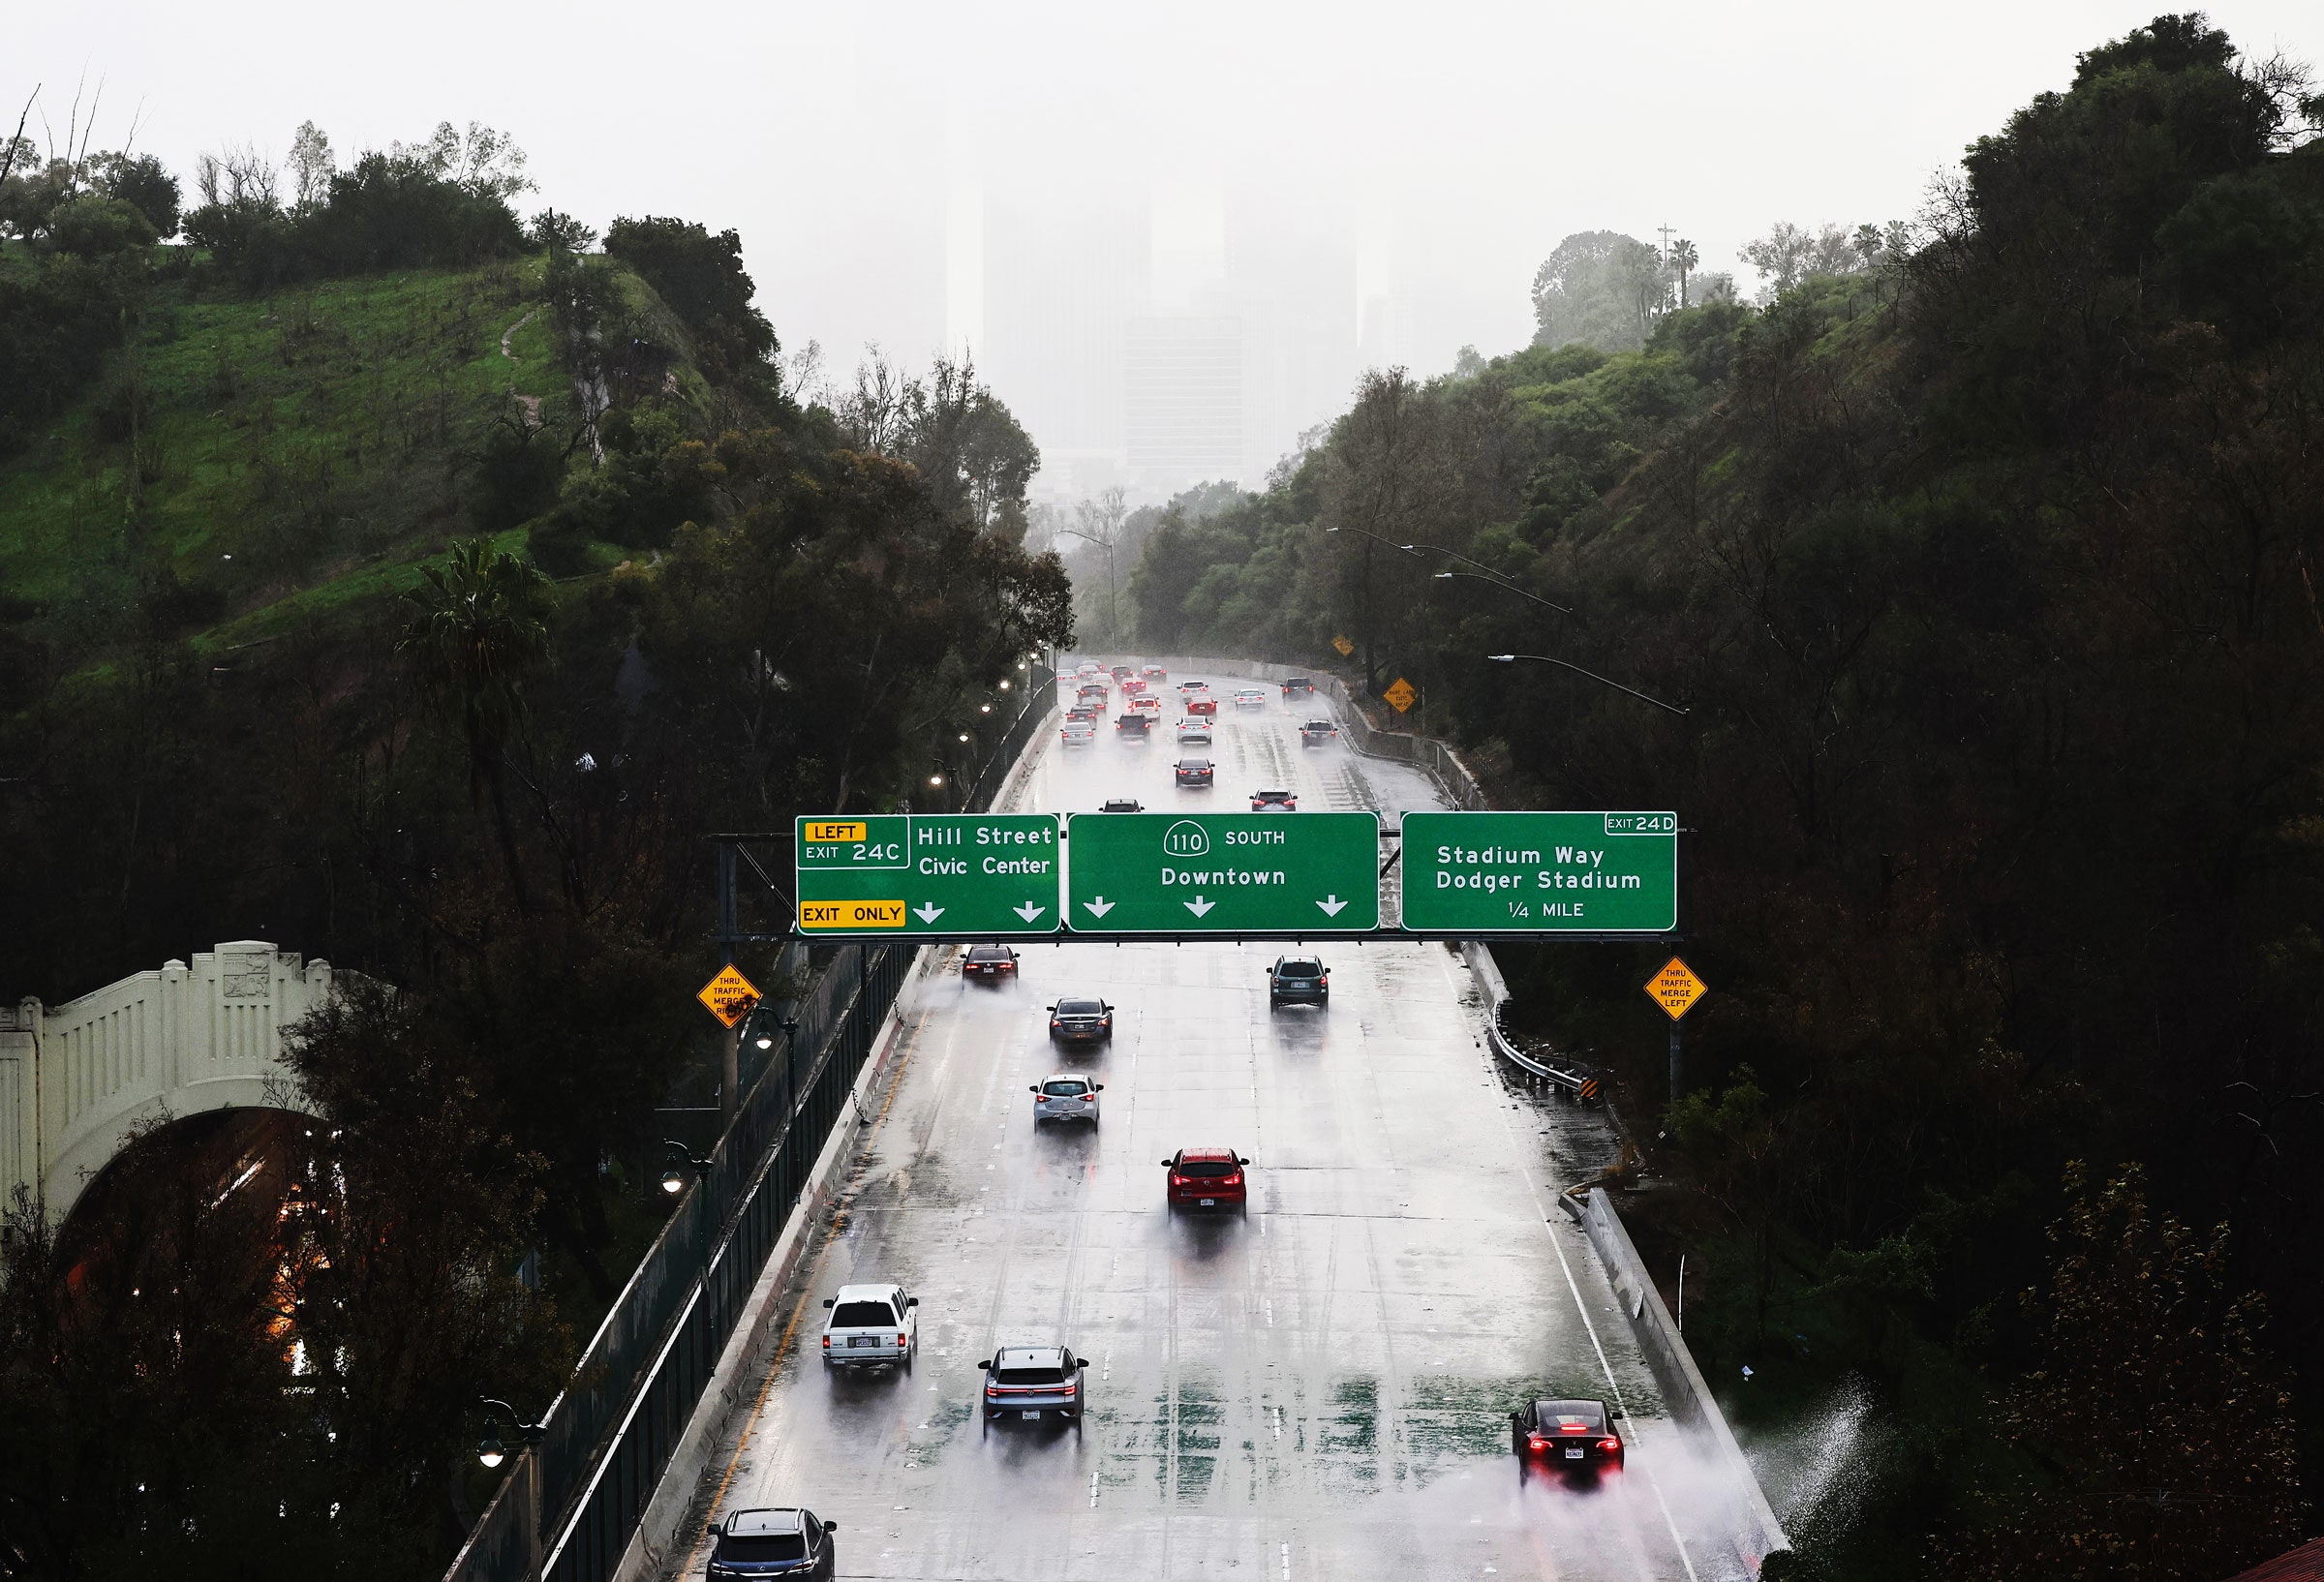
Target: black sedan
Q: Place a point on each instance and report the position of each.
(789, 1543)
(1194, 771)
(990, 961)
(1316, 732)
(1080, 1022)
(1573, 1435)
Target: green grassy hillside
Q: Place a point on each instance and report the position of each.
(291, 450)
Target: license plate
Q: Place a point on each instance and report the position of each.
(1572, 1452)
(862, 1340)
(1210, 1203)
(1034, 1414)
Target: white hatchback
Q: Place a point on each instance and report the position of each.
(1249, 697)
(871, 1324)
(1194, 728)
(1066, 1096)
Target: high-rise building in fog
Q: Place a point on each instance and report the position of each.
(1182, 379)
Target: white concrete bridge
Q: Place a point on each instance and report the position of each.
(76, 1078)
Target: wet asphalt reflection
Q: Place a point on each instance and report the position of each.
(1312, 1390)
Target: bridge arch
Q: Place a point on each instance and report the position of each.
(76, 1078)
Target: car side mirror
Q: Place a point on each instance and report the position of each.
(1048, 1008)
(1098, 1087)
(1615, 1412)
(830, 1527)
(1243, 1161)
(985, 1363)
(911, 1301)
(1105, 1005)
(827, 1301)
(1032, 1087)
(1167, 1163)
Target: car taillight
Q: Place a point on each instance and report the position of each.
(827, 1343)
(1068, 1389)
(1610, 1444)
(1539, 1443)
(1234, 1180)
(992, 1389)
(1088, 1098)
(1175, 1181)
(1055, 1022)
(904, 1340)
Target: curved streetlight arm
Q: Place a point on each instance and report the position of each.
(1544, 658)
(1506, 587)
(1499, 579)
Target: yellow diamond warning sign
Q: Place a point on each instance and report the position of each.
(1676, 989)
(729, 996)
(1345, 647)
(1401, 694)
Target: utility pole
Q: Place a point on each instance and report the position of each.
(1666, 234)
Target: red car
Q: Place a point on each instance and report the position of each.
(1200, 703)
(1207, 1178)
(1575, 1434)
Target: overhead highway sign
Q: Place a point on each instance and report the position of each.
(1509, 872)
(1222, 873)
(982, 874)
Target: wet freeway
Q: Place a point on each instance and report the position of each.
(1314, 1390)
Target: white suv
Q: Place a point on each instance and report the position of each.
(871, 1324)
(1066, 1096)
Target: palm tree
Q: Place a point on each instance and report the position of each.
(1683, 258)
(478, 630)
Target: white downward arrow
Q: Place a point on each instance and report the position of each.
(928, 914)
(1099, 907)
(1029, 911)
(1198, 907)
(1331, 906)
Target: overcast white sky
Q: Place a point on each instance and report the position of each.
(1454, 142)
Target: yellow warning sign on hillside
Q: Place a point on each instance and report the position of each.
(729, 996)
(1345, 647)
(1401, 694)
(1676, 989)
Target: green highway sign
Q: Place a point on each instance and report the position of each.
(929, 873)
(1222, 873)
(1541, 872)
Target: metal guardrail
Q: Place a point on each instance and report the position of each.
(568, 1505)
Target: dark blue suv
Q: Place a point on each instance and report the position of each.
(782, 1542)
(1299, 980)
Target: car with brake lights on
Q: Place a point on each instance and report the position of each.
(1083, 710)
(1193, 728)
(1317, 732)
(1133, 725)
(1205, 1179)
(1035, 1381)
(777, 1542)
(1077, 733)
(1146, 704)
(1155, 675)
(1195, 771)
(1569, 1435)
(1299, 980)
(1250, 697)
(1298, 686)
(1066, 1096)
(871, 1325)
(1121, 673)
(989, 961)
(1121, 805)
(1275, 802)
(1080, 1022)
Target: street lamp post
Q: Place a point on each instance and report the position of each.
(490, 1451)
(1505, 585)
(1544, 658)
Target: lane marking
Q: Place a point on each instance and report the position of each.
(1093, 1491)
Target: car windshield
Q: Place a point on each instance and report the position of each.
(1302, 969)
(987, 953)
(1079, 1008)
(1581, 1414)
(1193, 764)
(1064, 1089)
(862, 1316)
(764, 1546)
(1051, 1374)
(1208, 1169)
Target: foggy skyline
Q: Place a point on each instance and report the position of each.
(931, 177)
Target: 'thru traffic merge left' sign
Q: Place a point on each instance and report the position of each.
(929, 873)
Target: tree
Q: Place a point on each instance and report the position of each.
(1789, 254)
(1600, 288)
(2156, 1438)
(477, 633)
(702, 278)
(1683, 260)
(311, 165)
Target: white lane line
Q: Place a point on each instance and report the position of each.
(1093, 1491)
(1286, 1562)
(1269, 1302)
(1279, 1422)
(1605, 1367)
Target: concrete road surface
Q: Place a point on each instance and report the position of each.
(1313, 1391)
